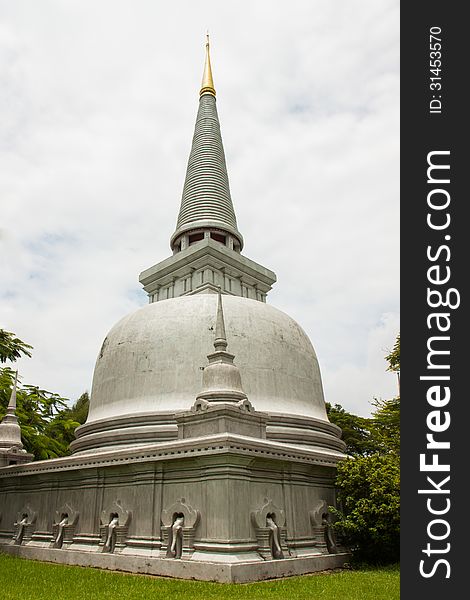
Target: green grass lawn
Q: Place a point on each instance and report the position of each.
(22, 579)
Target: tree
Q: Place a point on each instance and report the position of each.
(11, 347)
(356, 430)
(79, 411)
(46, 427)
(393, 357)
(386, 425)
(369, 485)
(45, 430)
(386, 417)
(62, 426)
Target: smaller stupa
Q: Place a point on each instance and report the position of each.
(11, 446)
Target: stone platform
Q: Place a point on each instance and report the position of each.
(232, 493)
(185, 569)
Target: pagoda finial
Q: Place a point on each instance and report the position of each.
(221, 380)
(220, 342)
(12, 403)
(207, 85)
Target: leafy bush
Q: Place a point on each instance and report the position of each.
(369, 497)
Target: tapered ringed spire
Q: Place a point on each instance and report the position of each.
(206, 205)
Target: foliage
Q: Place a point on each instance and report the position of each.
(387, 413)
(63, 425)
(47, 424)
(79, 411)
(369, 494)
(31, 580)
(369, 483)
(45, 430)
(357, 431)
(386, 425)
(11, 348)
(394, 357)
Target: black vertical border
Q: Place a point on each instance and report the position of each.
(422, 132)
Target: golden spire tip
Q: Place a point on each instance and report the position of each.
(207, 85)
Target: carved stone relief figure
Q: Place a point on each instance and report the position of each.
(59, 538)
(110, 542)
(176, 548)
(329, 533)
(274, 538)
(25, 523)
(322, 527)
(20, 525)
(63, 528)
(179, 523)
(114, 527)
(269, 524)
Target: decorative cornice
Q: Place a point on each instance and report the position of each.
(177, 449)
(210, 253)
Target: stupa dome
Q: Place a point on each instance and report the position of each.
(150, 367)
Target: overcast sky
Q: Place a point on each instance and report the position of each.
(97, 110)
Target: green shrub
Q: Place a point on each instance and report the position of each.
(369, 498)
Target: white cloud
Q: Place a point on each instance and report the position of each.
(97, 117)
(351, 381)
